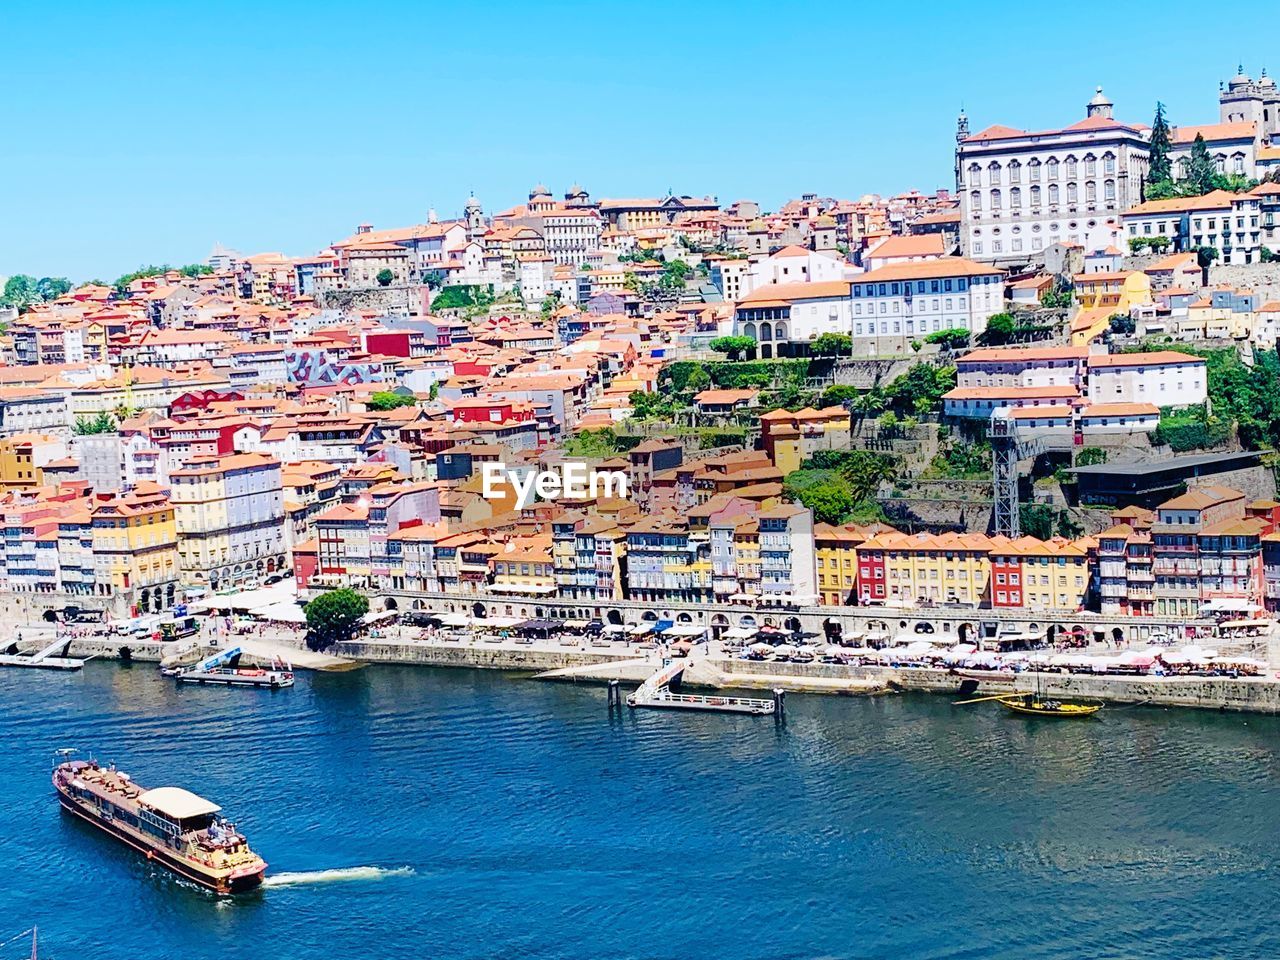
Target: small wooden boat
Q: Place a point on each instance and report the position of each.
(1035, 707)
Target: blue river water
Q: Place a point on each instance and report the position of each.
(496, 817)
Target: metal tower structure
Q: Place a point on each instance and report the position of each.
(1004, 475)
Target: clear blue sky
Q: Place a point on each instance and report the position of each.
(143, 133)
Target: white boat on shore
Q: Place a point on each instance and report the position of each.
(44, 659)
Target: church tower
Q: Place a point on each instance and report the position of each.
(475, 218)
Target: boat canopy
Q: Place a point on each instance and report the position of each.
(177, 803)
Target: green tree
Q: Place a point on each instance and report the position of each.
(734, 346)
(89, 426)
(51, 288)
(831, 345)
(1159, 166)
(1091, 456)
(388, 400)
(1201, 169)
(384, 277)
(1205, 257)
(699, 380)
(196, 270)
(20, 291)
(952, 339)
(333, 617)
(999, 330)
(864, 471)
(1122, 324)
(839, 395)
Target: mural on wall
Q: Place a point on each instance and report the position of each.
(313, 368)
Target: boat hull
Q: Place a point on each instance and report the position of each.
(276, 682)
(159, 854)
(1071, 711)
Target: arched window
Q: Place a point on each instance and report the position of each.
(1072, 194)
(1071, 167)
(1053, 193)
(1108, 163)
(975, 200)
(1237, 163)
(1220, 163)
(993, 173)
(1109, 190)
(1051, 168)
(1015, 171)
(995, 199)
(975, 175)
(1090, 191)
(1090, 165)
(1015, 198)
(1033, 170)
(1035, 196)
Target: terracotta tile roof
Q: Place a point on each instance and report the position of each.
(1153, 359)
(1240, 130)
(928, 270)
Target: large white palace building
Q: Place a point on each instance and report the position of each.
(1023, 191)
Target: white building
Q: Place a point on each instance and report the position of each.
(1165, 378)
(780, 315)
(1022, 191)
(1229, 222)
(1028, 367)
(917, 298)
(1233, 146)
(571, 235)
(796, 264)
(1122, 418)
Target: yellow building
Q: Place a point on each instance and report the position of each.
(230, 516)
(17, 465)
(1119, 290)
(135, 548)
(524, 568)
(837, 559)
(1055, 573)
(1090, 323)
(791, 438)
(941, 568)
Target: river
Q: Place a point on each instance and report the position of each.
(427, 813)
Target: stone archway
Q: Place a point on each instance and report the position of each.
(1117, 635)
(390, 604)
(967, 633)
(792, 624)
(419, 605)
(649, 616)
(478, 611)
(684, 618)
(747, 621)
(615, 617)
(833, 629)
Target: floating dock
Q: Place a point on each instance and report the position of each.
(222, 669)
(45, 659)
(656, 693)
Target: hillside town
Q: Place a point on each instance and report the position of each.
(1051, 387)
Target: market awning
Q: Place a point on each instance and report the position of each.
(280, 613)
(641, 629)
(685, 630)
(538, 625)
(739, 633)
(662, 626)
(454, 620)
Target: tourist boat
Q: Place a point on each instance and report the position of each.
(1035, 707)
(169, 825)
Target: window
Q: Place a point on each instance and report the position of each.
(1053, 195)
(1015, 171)
(1109, 190)
(1071, 193)
(1035, 197)
(1051, 169)
(1108, 163)
(993, 173)
(1091, 191)
(1015, 198)
(995, 199)
(1033, 171)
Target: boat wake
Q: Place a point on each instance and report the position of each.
(341, 875)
